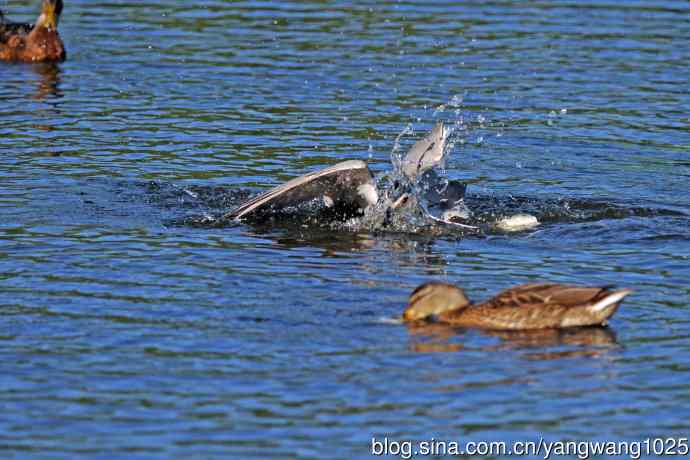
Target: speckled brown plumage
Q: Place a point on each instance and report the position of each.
(33, 43)
(529, 306)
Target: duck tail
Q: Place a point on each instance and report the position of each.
(607, 306)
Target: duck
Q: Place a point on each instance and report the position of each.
(525, 307)
(38, 42)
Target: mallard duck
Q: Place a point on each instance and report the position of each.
(529, 306)
(33, 43)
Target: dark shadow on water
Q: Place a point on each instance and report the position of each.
(559, 210)
(203, 207)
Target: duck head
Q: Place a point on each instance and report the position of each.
(431, 299)
(50, 14)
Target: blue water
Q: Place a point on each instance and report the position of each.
(127, 331)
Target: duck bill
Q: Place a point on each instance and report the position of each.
(49, 16)
(407, 316)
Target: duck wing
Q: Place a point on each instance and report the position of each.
(10, 29)
(545, 295)
(348, 185)
(426, 153)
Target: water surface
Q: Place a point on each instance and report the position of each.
(127, 333)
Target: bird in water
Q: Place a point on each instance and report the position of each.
(348, 188)
(524, 307)
(38, 42)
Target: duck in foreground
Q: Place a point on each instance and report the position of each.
(38, 42)
(524, 307)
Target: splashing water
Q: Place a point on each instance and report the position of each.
(396, 155)
(409, 203)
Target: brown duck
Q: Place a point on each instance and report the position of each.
(529, 306)
(38, 42)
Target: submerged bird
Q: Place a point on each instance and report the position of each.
(38, 42)
(528, 306)
(348, 188)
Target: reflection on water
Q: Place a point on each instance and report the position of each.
(585, 341)
(48, 83)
